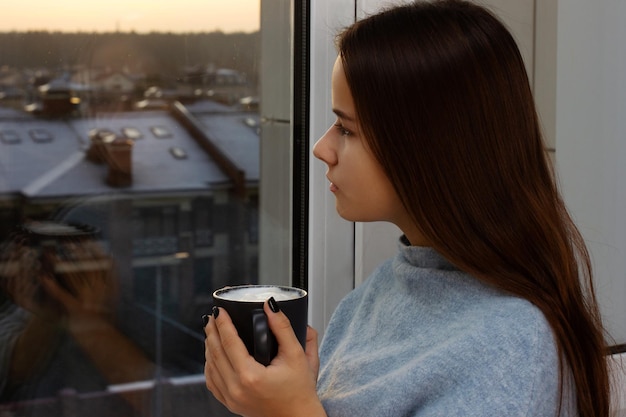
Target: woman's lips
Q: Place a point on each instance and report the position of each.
(333, 187)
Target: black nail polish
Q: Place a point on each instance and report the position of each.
(205, 320)
(216, 312)
(273, 305)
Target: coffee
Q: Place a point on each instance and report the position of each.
(259, 293)
(244, 304)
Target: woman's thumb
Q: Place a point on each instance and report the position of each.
(312, 353)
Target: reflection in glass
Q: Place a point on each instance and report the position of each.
(129, 183)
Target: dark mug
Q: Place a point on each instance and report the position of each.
(244, 304)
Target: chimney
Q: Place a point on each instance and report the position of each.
(118, 156)
(98, 139)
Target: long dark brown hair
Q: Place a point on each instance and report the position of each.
(444, 102)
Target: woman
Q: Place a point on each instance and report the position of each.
(482, 312)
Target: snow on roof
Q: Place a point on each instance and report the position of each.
(48, 157)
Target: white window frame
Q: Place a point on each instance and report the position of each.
(331, 239)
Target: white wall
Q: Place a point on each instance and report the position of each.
(591, 139)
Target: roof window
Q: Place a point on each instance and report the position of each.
(9, 137)
(132, 133)
(250, 122)
(178, 153)
(161, 132)
(102, 135)
(40, 135)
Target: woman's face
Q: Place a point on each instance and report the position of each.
(362, 190)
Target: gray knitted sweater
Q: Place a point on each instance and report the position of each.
(421, 338)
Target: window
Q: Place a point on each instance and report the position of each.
(178, 153)
(203, 270)
(40, 135)
(132, 133)
(153, 138)
(161, 132)
(9, 137)
(203, 221)
(253, 221)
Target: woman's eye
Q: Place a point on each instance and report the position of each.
(342, 130)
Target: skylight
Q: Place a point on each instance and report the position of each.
(178, 153)
(40, 135)
(161, 132)
(132, 133)
(9, 137)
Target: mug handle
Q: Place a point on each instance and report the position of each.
(261, 337)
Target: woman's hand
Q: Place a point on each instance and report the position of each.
(21, 279)
(286, 387)
(85, 291)
(89, 287)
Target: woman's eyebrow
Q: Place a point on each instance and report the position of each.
(343, 115)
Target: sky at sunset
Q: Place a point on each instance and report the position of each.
(130, 15)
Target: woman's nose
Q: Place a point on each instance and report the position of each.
(322, 150)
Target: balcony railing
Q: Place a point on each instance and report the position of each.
(180, 396)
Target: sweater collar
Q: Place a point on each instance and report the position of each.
(422, 256)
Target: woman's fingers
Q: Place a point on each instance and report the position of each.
(216, 362)
(214, 381)
(245, 386)
(281, 328)
(230, 372)
(57, 292)
(232, 346)
(312, 353)
(226, 352)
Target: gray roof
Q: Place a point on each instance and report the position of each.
(58, 167)
(245, 150)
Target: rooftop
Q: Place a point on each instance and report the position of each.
(45, 158)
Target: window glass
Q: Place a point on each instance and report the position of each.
(130, 189)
